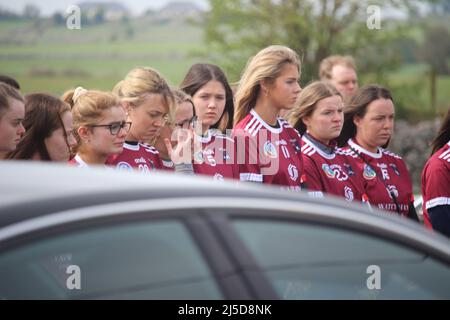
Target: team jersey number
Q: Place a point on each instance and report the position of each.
(143, 168)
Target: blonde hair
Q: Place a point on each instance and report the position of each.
(327, 64)
(140, 82)
(88, 107)
(266, 65)
(307, 102)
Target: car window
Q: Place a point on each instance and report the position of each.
(145, 260)
(307, 261)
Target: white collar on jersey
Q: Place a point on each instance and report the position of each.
(319, 147)
(360, 149)
(267, 126)
(81, 163)
(133, 147)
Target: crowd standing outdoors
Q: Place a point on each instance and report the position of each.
(330, 137)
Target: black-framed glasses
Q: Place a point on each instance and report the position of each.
(186, 123)
(114, 128)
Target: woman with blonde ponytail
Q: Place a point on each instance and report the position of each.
(268, 85)
(99, 123)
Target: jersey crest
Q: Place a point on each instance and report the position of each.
(369, 173)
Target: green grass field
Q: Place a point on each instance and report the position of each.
(48, 58)
(53, 58)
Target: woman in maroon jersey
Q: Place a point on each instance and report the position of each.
(12, 113)
(319, 117)
(99, 125)
(214, 153)
(436, 181)
(148, 101)
(368, 127)
(271, 146)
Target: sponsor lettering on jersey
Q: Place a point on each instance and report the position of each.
(139, 160)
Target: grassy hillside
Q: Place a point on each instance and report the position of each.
(44, 57)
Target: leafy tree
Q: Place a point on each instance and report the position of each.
(435, 51)
(237, 29)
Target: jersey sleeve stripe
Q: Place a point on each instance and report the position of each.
(249, 124)
(441, 201)
(255, 177)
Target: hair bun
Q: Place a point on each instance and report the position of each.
(79, 91)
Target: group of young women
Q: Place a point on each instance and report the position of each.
(320, 145)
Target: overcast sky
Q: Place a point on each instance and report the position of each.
(48, 7)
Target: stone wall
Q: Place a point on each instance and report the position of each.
(412, 143)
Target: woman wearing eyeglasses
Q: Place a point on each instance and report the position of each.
(214, 152)
(148, 101)
(99, 126)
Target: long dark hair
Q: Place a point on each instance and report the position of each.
(443, 135)
(42, 117)
(200, 74)
(357, 106)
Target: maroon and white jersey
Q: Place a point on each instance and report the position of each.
(267, 154)
(138, 156)
(386, 173)
(436, 181)
(331, 172)
(217, 156)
